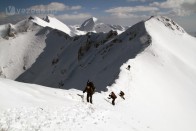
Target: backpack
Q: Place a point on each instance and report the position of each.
(113, 96)
(122, 93)
(91, 86)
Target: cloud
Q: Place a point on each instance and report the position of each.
(131, 9)
(5, 19)
(127, 21)
(124, 12)
(166, 4)
(128, 15)
(168, 8)
(78, 7)
(55, 6)
(73, 16)
(138, 0)
(191, 7)
(178, 7)
(2, 15)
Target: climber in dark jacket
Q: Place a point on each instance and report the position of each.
(113, 96)
(90, 89)
(128, 67)
(122, 94)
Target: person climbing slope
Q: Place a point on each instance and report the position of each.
(128, 67)
(122, 94)
(113, 96)
(90, 89)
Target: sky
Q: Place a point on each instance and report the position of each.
(121, 12)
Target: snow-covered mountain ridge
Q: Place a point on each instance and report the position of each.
(59, 64)
(159, 87)
(8, 31)
(52, 58)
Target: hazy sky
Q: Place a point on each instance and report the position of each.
(123, 12)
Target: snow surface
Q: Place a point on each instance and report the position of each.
(159, 88)
(33, 107)
(164, 79)
(19, 53)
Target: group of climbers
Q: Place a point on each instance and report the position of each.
(90, 89)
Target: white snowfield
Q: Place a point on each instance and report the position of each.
(160, 92)
(32, 107)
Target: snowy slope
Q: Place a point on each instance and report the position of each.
(33, 107)
(32, 23)
(164, 78)
(93, 56)
(19, 54)
(9, 31)
(159, 88)
(22, 43)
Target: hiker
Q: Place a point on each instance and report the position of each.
(113, 96)
(128, 68)
(122, 94)
(90, 88)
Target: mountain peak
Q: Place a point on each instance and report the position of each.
(169, 23)
(88, 25)
(94, 19)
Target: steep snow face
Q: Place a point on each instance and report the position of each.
(169, 23)
(53, 23)
(174, 39)
(22, 43)
(93, 56)
(19, 53)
